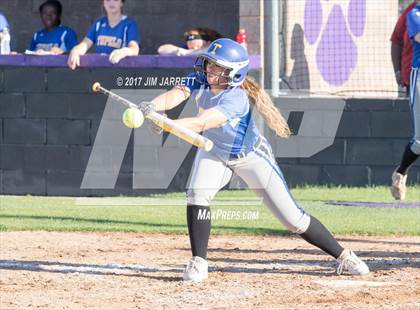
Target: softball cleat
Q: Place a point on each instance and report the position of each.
(351, 263)
(196, 270)
(398, 187)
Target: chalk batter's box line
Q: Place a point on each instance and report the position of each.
(89, 201)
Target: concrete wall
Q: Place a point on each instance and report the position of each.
(48, 123)
(160, 21)
(49, 119)
(250, 19)
(370, 140)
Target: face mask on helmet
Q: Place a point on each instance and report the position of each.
(210, 73)
(230, 56)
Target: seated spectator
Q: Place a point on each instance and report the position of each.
(196, 41)
(4, 35)
(115, 35)
(55, 38)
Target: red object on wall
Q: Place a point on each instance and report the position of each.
(241, 37)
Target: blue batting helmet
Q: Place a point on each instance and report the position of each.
(227, 54)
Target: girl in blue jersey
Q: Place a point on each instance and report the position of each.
(225, 98)
(115, 35)
(54, 38)
(4, 35)
(4, 25)
(412, 150)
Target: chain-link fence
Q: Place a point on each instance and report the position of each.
(339, 47)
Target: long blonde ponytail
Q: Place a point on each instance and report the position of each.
(266, 108)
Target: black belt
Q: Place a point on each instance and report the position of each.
(245, 153)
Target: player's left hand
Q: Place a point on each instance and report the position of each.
(74, 59)
(147, 107)
(118, 54)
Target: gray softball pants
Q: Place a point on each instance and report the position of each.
(415, 109)
(259, 170)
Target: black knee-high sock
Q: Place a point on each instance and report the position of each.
(320, 237)
(199, 224)
(408, 158)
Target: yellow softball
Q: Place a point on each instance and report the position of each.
(133, 118)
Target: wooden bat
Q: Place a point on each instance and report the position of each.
(163, 122)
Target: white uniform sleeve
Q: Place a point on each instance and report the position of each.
(3, 23)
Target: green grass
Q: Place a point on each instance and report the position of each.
(166, 213)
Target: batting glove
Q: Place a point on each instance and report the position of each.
(146, 107)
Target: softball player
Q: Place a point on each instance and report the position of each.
(412, 150)
(225, 97)
(55, 37)
(114, 34)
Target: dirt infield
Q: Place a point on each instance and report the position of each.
(50, 270)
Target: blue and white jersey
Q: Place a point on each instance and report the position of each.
(107, 38)
(413, 28)
(239, 133)
(3, 23)
(62, 37)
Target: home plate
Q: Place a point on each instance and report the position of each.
(351, 283)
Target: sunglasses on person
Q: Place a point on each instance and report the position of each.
(190, 37)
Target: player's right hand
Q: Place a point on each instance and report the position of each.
(168, 49)
(155, 128)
